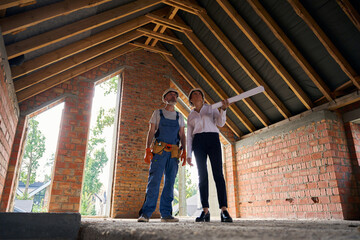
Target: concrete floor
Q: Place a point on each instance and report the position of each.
(187, 229)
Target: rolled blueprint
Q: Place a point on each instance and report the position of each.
(240, 96)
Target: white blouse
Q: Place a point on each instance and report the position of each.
(204, 121)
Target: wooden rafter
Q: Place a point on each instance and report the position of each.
(226, 76)
(81, 45)
(71, 73)
(30, 18)
(217, 89)
(170, 15)
(169, 23)
(159, 36)
(329, 46)
(295, 53)
(249, 70)
(75, 60)
(150, 48)
(194, 84)
(4, 4)
(350, 11)
(67, 31)
(265, 51)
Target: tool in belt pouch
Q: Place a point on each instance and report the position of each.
(159, 147)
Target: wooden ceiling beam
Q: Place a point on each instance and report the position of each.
(30, 18)
(185, 6)
(71, 73)
(168, 22)
(4, 4)
(160, 36)
(294, 52)
(212, 83)
(86, 24)
(170, 15)
(351, 12)
(74, 60)
(329, 46)
(232, 126)
(265, 51)
(248, 69)
(81, 45)
(226, 76)
(150, 48)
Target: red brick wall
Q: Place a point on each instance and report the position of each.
(8, 122)
(301, 169)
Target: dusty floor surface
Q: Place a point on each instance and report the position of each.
(240, 229)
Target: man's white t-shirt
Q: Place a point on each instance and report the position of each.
(155, 118)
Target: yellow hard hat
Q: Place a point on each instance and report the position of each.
(193, 90)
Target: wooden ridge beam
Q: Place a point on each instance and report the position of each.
(71, 73)
(351, 12)
(294, 52)
(265, 51)
(323, 38)
(160, 36)
(232, 126)
(185, 6)
(30, 18)
(226, 76)
(74, 60)
(168, 22)
(150, 48)
(217, 89)
(244, 64)
(56, 35)
(81, 45)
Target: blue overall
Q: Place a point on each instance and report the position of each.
(167, 132)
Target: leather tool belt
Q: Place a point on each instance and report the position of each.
(159, 147)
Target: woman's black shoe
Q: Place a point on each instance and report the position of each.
(225, 216)
(204, 217)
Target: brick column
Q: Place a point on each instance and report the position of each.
(71, 151)
(231, 179)
(13, 169)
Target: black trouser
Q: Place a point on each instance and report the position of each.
(208, 144)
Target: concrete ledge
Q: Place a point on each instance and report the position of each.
(39, 225)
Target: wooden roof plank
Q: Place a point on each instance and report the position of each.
(249, 70)
(71, 73)
(323, 38)
(74, 60)
(67, 31)
(30, 18)
(294, 52)
(217, 89)
(265, 51)
(81, 45)
(194, 84)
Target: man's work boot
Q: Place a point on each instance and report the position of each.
(169, 219)
(143, 218)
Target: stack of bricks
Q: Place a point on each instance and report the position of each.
(301, 172)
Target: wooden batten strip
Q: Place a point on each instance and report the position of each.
(71, 73)
(56, 35)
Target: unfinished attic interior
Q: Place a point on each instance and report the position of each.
(290, 152)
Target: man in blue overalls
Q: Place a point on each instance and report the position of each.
(167, 127)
